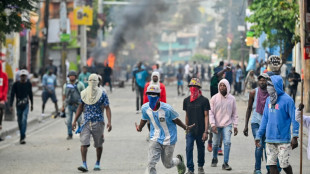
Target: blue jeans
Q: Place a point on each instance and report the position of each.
(259, 150)
(70, 109)
(22, 115)
(190, 139)
(226, 133)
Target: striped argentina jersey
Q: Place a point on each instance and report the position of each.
(163, 129)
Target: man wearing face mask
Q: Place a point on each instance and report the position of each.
(256, 103)
(223, 117)
(163, 136)
(155, 80)
(279, 115)
(94, 102)
(196, 107)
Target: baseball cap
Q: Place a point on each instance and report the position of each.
(263, 75)
(23, 72)
(153, 89)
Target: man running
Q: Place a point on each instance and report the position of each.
(163, 136)
(279, 115)
(256, 103)
(94, 101)
(196, 107)
(223, 117)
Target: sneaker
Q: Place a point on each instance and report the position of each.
(83, 168)
(181, 166)
(225, 166)
(209, 147)
(257, 172)
(147, 137)
(69, 137)
(138, 112)
(22, 141)
(220, 152)
(200, 170)
(97, 167)
(214, 162)
(189, 172)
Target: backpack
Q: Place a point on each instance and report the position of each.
(72, 94)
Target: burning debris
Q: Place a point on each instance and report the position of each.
(135, 18)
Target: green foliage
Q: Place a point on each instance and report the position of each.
(201, 57)
(14, 15)
(276, 18)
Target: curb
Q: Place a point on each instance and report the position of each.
(30, 122)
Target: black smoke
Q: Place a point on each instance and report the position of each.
(135, 19)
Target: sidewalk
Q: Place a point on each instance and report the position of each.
(34, 117)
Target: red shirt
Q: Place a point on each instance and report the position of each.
(162, 93)
(4, 84)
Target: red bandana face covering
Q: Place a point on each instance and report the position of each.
(194, 93)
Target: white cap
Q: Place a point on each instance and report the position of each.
(153, 89)
(23, 72)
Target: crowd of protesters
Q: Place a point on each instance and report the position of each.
(217, 120)
(211, 120)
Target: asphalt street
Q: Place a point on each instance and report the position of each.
(124, 150)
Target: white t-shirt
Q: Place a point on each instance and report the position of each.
(186, 68)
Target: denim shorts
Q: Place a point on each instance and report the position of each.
(46, 95)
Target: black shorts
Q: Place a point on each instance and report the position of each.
(46, 95)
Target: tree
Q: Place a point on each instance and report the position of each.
(278, 19)
(15, 16)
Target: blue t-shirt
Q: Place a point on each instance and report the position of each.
(94, 112)
(49, 81)
(141, 77)
(238, 75)
(163, 129)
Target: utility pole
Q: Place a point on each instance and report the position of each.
(83, 48)
(229, 32)
(99, 32)
(303, 6)
(63, 29)
(46, 18)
